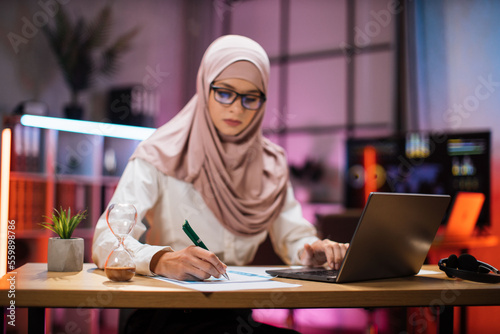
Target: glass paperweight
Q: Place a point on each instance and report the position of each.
(121, 219)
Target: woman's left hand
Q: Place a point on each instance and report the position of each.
(323, 251)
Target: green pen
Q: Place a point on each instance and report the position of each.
(195, 238)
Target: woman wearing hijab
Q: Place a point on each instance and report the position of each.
(211, 165)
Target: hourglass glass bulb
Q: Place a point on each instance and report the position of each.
(119, 266)
(121, 219)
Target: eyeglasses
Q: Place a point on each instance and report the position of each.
(228, 96)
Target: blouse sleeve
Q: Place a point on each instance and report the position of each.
(291, 230)
(138, 185)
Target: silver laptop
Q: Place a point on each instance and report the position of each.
(392, 239)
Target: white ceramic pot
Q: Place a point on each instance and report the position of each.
(65, 254)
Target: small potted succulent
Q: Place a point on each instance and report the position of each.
(65, 253)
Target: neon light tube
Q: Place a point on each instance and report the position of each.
(370, 165)
(4, 201)
(88, 127)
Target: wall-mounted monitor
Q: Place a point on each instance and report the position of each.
(419, 162)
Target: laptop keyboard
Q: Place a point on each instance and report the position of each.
(321, 272)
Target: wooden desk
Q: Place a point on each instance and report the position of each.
(35, 288)
(443, 246)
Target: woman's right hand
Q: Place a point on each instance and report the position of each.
(191, 263)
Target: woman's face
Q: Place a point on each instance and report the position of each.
(231, 119)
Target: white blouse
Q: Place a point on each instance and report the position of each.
(163, 203)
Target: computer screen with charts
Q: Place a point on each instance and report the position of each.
(419, 162)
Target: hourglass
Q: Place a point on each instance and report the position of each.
(121, 219)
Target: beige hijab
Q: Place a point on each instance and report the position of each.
(241, 178)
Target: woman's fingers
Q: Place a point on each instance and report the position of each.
(190, 263)
(322, 251)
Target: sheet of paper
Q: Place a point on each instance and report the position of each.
(240, 278)
(428, 272)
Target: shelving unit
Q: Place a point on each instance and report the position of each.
(53, 169)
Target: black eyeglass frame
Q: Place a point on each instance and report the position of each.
(262, 97)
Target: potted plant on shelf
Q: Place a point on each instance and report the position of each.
(82, 51)
(65, 253)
